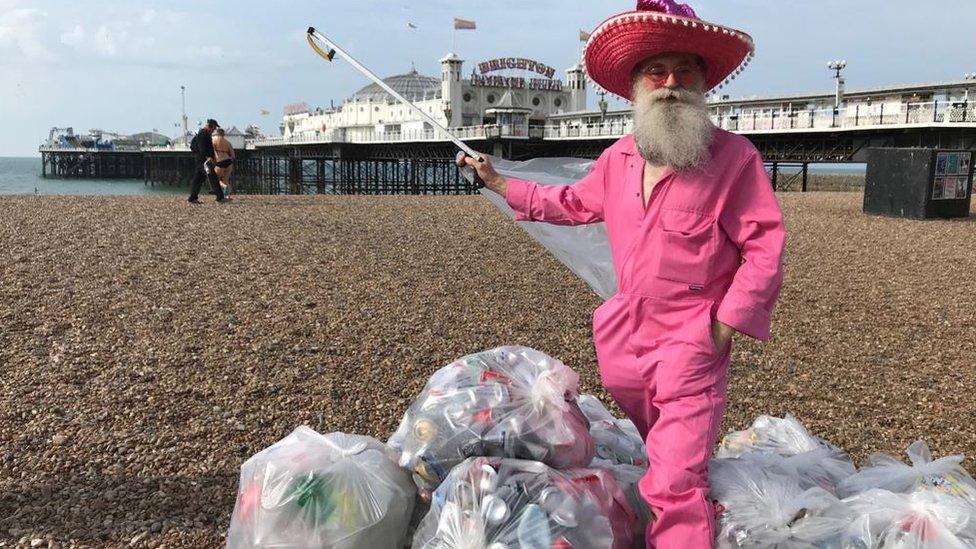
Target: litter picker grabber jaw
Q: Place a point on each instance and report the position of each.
(315, 37)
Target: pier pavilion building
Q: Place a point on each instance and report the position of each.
(513, 92)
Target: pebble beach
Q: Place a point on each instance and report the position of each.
(149, 347)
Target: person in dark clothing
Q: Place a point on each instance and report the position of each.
(202, 147)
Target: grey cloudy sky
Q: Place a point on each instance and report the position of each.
(119, 65)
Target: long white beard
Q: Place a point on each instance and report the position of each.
(675, 133)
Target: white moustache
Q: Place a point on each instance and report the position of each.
(682, 95)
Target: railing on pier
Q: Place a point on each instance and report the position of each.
(167, 148)
(60, 148)
(853, 116)
(757, 120)
(339, 135)
(614, 128)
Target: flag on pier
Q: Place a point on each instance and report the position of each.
(584, 36)
(464, 24)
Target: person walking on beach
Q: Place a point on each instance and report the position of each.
(225, 159)
(697, 239)
(202, 147)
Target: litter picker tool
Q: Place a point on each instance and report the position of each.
(314, 37)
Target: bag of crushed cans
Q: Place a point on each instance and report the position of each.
(785, 446)
(617, 441)
(924, 519)
(886, 472)
(312, 490)
(492, 502)
(762, 508)
(621, 451)
(511, 401)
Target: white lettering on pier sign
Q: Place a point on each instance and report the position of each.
(547, 83)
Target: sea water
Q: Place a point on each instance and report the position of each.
(23, 176)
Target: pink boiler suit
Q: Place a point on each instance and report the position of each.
(709, 245)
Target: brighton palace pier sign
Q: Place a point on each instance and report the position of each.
(484, 80)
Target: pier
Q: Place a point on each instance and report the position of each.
(791, 132)
(91, 163)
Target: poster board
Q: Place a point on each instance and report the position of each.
(953, 175)
(919, 183)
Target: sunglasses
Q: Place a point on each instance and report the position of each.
(685, 74)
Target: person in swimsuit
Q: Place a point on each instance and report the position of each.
(224, 153)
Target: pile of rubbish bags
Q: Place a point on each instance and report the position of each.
(499, 451)
(778, 486)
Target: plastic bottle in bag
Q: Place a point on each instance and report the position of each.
(886, 472)
(511, 401)
(491, 502)
(311, 490)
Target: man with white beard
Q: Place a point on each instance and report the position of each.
(697, 240)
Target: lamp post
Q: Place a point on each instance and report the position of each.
(838, 66)
(970, 76)
(602, 103)
(185, 121)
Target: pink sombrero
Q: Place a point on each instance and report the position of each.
(663, 26)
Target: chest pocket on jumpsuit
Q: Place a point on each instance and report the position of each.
(687, 246)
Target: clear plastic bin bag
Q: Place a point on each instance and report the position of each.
(584, 249)
(628, 477)
(312, 490)
(784, 436)
(617, 440)
(785, 446)
(511, 401)
(923, 519)
(821, 468)
(760, 508)
(886, 472)
(491, 502)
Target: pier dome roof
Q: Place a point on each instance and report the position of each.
(412, 85)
